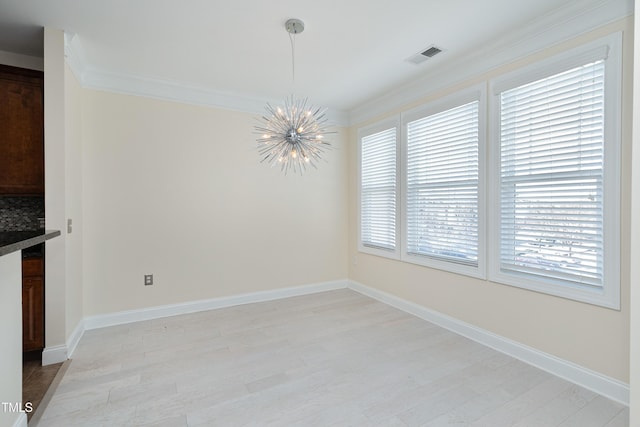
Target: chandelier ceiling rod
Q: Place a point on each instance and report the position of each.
(294, 27)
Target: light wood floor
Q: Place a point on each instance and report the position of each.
(334, 358)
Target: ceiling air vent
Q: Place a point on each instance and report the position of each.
(427, 53)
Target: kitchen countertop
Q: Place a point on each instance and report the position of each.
(12, 241)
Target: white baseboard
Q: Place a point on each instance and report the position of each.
(54, 354)
(21, 421)
(122, 317)
(594, 381)
(74, 338)
(60, 353)
(601, 384)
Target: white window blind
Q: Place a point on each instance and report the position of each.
(442, 185)
(551, 177)
(378, 188)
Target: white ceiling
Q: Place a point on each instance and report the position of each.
(351, 51)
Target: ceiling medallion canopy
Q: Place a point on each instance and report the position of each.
(293, 136)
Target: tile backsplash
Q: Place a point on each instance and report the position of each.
(21, 213)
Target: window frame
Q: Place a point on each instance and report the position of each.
(609, 49)
(462, 97)
(372, 129)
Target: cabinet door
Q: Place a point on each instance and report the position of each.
(32, 313)
(22, 135)
(33, 267)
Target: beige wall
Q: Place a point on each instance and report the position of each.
(590, 336)
(55, 189)
(634, 419)
(177, 191)
(11, 333)
(73, 200)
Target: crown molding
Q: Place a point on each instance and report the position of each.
(567, 22)
(74, 55)
(22, 61)
(150, 87)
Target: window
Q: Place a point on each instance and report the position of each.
(557, 194)
(537, 206)
(379, 190)
(443, 184)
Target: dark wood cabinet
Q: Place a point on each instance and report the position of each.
(32, 304)
(21, 131)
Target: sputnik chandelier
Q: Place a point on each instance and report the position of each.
(293, 136)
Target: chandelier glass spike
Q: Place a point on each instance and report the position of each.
(293, 136)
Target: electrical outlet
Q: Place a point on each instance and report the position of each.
(148, 279)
